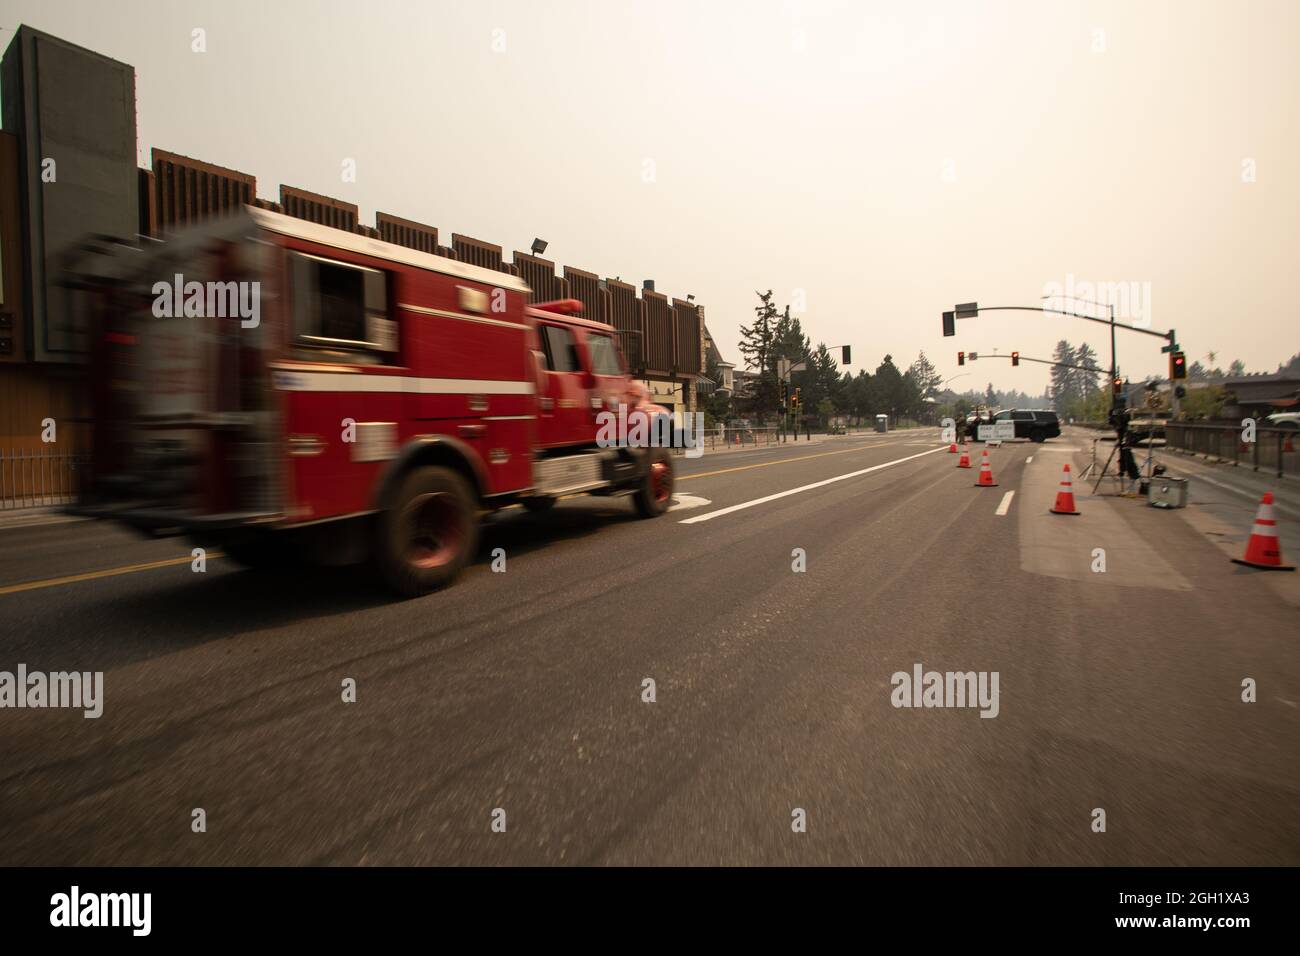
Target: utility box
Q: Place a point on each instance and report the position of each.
(882, 423)
(1167, 493)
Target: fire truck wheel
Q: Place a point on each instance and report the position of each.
(429, 534)
(656, 491)
(539, 504)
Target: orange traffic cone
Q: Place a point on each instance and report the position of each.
(986, 473)
(964, 460)
(952, 449)
(1263, 550)
(1065, 496)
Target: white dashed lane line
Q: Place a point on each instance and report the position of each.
(1005, 504)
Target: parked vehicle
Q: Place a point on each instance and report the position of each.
(380, 400)
(1037, 425)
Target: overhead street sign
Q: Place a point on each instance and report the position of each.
(967, 310)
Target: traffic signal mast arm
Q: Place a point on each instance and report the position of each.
(1078, 315)
(1026, 358)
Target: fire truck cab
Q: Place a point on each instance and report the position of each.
(270, 386)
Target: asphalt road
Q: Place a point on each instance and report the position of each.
(523, 691)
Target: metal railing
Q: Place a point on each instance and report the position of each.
(1275, 450)
(38, 477)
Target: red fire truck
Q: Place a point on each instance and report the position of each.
(270, 386)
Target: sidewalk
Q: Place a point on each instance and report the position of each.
(1222, 502)
(28, 517)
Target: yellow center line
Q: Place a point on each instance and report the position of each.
(785, 461)
(106, 573)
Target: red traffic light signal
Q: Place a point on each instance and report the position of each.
(1015, 358)
(1177, 365)
(961, 358)
(1117, 387)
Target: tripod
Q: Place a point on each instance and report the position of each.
(1119, 476)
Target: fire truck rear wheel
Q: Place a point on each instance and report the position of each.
(539, 504)
(655, 493)
(429, 534)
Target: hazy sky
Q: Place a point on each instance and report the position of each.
(887, 159)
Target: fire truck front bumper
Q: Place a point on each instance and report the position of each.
(164, 522)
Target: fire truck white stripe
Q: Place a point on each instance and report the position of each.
(460, 316)
(345, 382)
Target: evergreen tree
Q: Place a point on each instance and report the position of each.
(1065, 382)
(757, 347)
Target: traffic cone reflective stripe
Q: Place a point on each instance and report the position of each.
(986, 473)
(1264, 550)
(1065, 496)
(964, 460)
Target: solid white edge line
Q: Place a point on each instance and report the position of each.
(1241, 491)
(816, 484)
(1005, 504)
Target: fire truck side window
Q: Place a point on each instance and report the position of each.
(604, 356)
(561, 356)
(340, 307)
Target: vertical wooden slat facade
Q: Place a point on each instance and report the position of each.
(688, 348)
(626, 314)
(541, 278)
(188, 190)
(479, 253)
(314, 207)
(658, 333)
(586, 287)
(405, 232)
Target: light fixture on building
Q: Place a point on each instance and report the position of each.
(539, 246)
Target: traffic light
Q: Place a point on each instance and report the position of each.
(1117, 387)
(1177, 365)
(847, 356)
(961, 358)
(949, 324)
(1015, 358)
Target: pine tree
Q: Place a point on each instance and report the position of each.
(757, 347)
(1088, 384)
(1065, 383)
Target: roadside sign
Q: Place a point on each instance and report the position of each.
(1005, 430)
(972, 356)
(986, 432)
